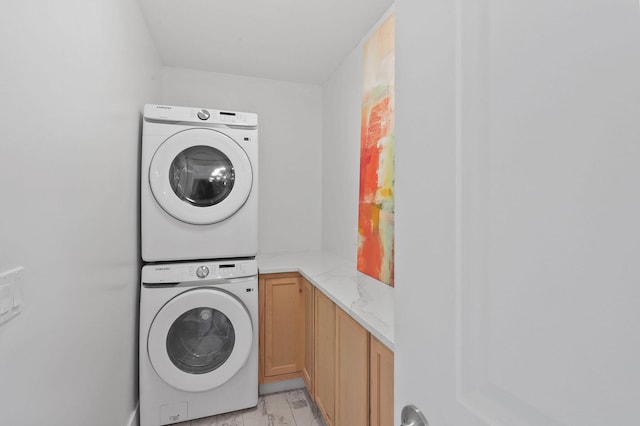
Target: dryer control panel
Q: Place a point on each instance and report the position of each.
(199, 271)
(176, 114)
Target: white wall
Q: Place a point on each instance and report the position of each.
(341, 112)
(342, 94)
(290, 132)
(74, 77)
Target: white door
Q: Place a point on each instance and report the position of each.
(518, 211)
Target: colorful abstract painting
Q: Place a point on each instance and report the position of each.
(376, 202)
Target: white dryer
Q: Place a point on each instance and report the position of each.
(198, 340)
(199, 184)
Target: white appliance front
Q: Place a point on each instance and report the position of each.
(199, 184)
(198, 340)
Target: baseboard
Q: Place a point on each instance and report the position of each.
(134, 420)
(281, 386)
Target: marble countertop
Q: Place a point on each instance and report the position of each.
(368, 301)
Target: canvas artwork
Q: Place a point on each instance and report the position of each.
(376, 202)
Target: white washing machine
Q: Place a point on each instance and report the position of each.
(199, 184)
(198, 340)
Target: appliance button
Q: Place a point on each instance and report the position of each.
(203, 114)
(202, 272)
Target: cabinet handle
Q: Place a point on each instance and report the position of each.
(412, 416)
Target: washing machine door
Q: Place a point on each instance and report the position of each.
(200, 176)
(200, 339)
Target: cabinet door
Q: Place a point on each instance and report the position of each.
(283, 327)
(352, 372)
(324, 360)
(307, 370)
(381, 384)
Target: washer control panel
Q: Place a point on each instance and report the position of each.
(185, 272)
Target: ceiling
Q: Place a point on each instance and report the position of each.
(292, 40)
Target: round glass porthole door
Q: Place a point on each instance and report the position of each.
(200, 339)
(200, 176)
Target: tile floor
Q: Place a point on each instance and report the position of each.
(290, 408)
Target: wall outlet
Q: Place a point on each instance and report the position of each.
(11, 293)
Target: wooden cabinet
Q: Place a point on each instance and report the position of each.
(324, 342)
(352, 372)
(380, 384)
(308, 310)
(281, 327)
(348, 372)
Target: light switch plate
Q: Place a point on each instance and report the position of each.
(11, 293)
(6, 299)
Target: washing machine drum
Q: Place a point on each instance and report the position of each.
(200, 176)
(200, 339)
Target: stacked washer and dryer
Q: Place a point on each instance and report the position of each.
(199, 289)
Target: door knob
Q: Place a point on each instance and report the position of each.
(412, 416)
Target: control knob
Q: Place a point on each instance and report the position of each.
(202, 272)
(203, 114)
